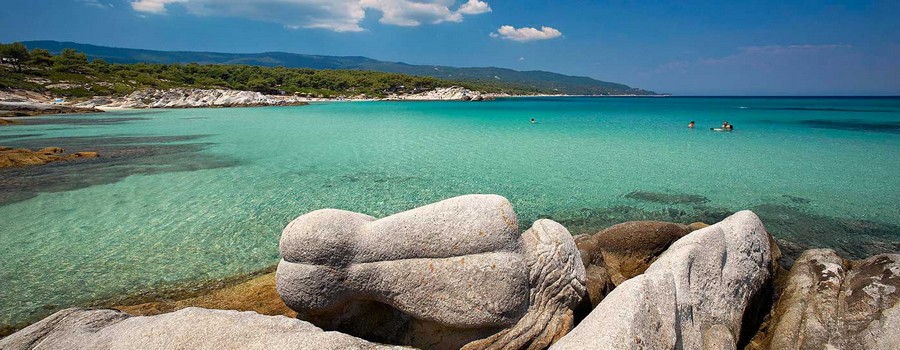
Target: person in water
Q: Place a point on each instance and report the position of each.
(726, 126)
(532, 121)
(691, 125)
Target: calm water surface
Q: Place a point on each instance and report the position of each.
(182, 196)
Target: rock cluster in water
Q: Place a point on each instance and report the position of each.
(454, 93)
(459, 274)
(16, 157)
(192, 98)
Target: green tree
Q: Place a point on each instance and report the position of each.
(41, 58)
(99, 65)
(260, 85)
(15, 54)
(71, 61)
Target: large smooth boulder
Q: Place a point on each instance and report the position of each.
(557, 283)
(621, 252)
(696, 295)
(191, 328)
(832, 303)
(440, 276)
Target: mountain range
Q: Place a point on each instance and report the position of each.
(543, 81)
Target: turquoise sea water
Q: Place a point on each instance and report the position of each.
(182, 196)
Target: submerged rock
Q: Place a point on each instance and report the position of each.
(191, 328)
(257, 294)
(832, 303)
(441, 276)
(667, 198)
(12, 157)
(698, 294)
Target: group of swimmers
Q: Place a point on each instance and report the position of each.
(725, 126)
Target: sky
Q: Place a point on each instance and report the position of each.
(794, 47)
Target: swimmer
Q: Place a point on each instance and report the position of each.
(691, 125)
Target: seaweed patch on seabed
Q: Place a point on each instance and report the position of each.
(796, 199)
(119, 158)
(368, 178)
(854, 125)
(77, 121)
(795, 229)
(891, 127)
(799, 230)
(823, 109)
(17, 136)
(667, 198)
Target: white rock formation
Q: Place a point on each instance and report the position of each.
(454, 93)
(191, 98)
(455, 271)
(693, 297)
(191, 328)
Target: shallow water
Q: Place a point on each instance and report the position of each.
(181, 196)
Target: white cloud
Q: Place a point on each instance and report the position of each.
(474, 7)
(96, 3)
(336, 15)
(152, 6)
(410, 13)
(526, 33)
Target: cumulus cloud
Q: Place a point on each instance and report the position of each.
(474, 7)
(410, 13)
(526, 33)
(152, 6)
(336, 15)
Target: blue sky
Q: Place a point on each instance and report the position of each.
(685, 47)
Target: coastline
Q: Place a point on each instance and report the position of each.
(21, 103)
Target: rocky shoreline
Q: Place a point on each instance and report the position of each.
(191, 98)
(20, 103)
(460, 274)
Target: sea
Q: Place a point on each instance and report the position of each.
(183, 197)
